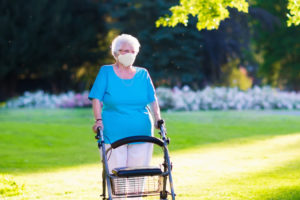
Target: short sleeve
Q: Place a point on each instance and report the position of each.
(99, 86)
(150, 89)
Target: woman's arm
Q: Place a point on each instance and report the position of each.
(156, 112)
(97, 109)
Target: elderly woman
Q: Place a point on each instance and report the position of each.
(125, 91)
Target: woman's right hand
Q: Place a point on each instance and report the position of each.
(96, 125)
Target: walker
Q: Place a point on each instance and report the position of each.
(134, 182)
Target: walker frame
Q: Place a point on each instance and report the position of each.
(124, 181)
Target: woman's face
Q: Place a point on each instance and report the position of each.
(126, 48)
(126, 55)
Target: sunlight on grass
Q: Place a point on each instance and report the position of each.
(262, 169)
(8, 187)
(71, 183)
(229, 171)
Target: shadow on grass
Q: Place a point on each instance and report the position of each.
(38, 140)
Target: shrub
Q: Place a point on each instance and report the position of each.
(222, 98)
(41, 99)
(185, 99)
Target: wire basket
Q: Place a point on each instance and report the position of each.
(136, 186)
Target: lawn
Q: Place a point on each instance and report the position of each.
(51, 154)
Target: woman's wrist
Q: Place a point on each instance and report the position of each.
(98, 119)
(157, 117)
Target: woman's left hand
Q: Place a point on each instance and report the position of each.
(156, 124)
(96, 125)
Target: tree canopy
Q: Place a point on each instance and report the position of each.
(278, 46)
(294, 16)
(172, 55)
(211, 13)
(46, 41)
(58, 45)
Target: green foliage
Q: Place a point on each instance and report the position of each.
(272, 38)
(294, 16)
(236, 76)
(209, 13)
(47, 40)
(59, 45)
(231, 41)
(173, 56)
(179, 55)
(279, 47)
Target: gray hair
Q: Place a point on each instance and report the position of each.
(124, 38)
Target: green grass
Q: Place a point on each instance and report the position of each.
(216, 155)
(45, 139)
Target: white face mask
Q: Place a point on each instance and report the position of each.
(126, 59)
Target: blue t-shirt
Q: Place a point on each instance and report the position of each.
(125, 101)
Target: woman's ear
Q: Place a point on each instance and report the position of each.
(115, 55)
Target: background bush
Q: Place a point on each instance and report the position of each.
(218, 98)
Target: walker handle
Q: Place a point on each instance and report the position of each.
(161, 126)
(97, 137)
(139, 138)
(160, 123)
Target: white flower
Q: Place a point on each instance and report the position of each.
(218, 98)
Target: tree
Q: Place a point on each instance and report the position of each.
(294, 16)
(275, 43)
(172, 55)
(278, 45)
(180, 55)
(44, 42)
(230, 42)
(211, 13)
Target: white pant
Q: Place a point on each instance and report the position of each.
(132, 155)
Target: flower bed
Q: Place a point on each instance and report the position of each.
(221, 98)
(41, 99)
(218, 98)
